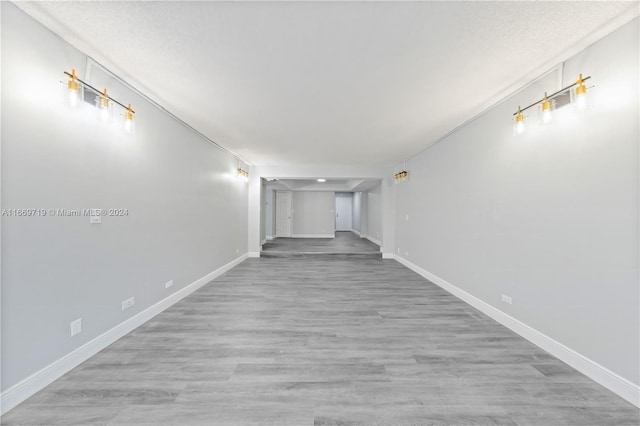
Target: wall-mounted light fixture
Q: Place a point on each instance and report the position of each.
(243, 174)
(322, 180)
(574, 93)
(104, 103)
(402, 175)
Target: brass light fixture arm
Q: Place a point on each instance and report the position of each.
(551, 96)
(98, 92)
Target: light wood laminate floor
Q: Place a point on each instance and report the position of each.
(306, 341)
(344, 243)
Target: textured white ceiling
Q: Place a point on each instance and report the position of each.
(318, 83)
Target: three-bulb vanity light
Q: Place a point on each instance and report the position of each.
(243, 174)
(575, 94)
(401, 176)
(104, 103)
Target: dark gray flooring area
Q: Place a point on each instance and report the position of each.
(305, 341)
(344, 243)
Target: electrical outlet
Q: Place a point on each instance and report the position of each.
(96, 219)
(506, 299)
(128, 303)
(168, 284)
(237, 251)
(76, 327)
(407, 217)
(398, 250)
(406, 253)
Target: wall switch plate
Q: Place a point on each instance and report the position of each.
(76, 327)
(96, 219)
(398, 250)
(128, 303)
(168, 284)
(407, 217)
(506, 299)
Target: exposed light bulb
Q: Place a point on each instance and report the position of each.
(322, 180)
(581, 94)
(546, 109)
(103, 105)
(73, 89)
(519, 122)
(129, 124)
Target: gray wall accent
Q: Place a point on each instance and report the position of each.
(374, 213)
(187, 213)
(549, 218)
(313, 212)
(356, 211)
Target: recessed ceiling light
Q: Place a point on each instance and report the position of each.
(322, 180)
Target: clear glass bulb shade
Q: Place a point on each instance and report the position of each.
(545, 110)
(73, 98)
(104, 109)
(129, 125)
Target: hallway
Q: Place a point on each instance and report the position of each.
(304, 341)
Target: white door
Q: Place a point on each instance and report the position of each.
(344, 201)
(283, 214)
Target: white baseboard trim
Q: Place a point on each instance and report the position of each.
(356, 232)
(263, 242)
(313, 236)
(269, 237)
(19, 392)
(253, 254)
(600, 374)
(374, 241)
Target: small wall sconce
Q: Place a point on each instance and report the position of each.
(243, 174)
(104, 103)
(401, 176)
(575, 93)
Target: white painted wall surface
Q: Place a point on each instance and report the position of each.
(549, 218)
(364, 217)
(313, 213)
(357, 211)
(270, 213)
(263, 211)
(374, 214)
(187, 213)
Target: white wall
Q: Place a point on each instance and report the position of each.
(187, 213)
(263, 211)
(356, 211)
(374, 214)
(549, 218)
(270, 217)
(313, 214)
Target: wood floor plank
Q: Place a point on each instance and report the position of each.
(339, 341)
